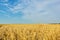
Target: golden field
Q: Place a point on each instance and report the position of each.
(29, 31)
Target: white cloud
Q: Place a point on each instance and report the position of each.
(3, 0)
(36, 9)
(7, 15)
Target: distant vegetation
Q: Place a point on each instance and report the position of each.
(54, 23)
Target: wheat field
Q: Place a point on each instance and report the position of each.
(29, 31)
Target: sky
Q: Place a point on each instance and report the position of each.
(29, 11)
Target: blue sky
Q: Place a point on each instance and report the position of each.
(29, 11)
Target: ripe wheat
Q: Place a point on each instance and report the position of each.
(30, 32)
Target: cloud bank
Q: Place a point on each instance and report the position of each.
(35, 11)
